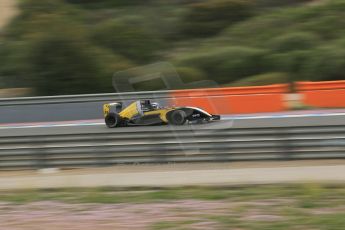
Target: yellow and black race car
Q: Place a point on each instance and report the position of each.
(143, 112)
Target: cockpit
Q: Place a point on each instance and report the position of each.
(147, 106)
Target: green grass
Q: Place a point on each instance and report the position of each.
(172, 224)
(302, 206)
(307, 195)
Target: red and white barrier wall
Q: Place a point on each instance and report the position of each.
(257, 99)
(234, 99)
(327, 94)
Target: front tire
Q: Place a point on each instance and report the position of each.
(112, 120)
(177, 117)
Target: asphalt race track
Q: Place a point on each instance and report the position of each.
(298, 118)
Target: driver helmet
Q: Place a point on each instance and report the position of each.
(155, 105)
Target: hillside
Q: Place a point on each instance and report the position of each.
(8, 10)
(75, 46)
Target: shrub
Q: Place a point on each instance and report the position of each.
(107, 3)
(61, 65)
(327, 63)
(292, 62)
(131, 41)
(280, 3)
(188, 74)
(15, 68)
(207, 18)
(228, 64)
(294, 41)
(263, 79)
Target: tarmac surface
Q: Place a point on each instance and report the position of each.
(286, 119)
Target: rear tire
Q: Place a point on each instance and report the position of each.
(112, 120)
(177, 117)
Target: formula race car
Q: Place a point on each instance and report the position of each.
(143, 112)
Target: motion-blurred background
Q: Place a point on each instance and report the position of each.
(53, 47)
(275, 160)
